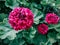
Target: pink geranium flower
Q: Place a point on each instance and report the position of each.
(51, 18)
(21, 18)
(42, 28)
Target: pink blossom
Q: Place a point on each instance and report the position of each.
(21, 18)
(51, 18)
(42, 28)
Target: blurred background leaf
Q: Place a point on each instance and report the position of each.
(2, 16)
(11, 3)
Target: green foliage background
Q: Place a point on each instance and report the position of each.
(9, 36)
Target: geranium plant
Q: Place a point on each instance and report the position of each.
(30, 22)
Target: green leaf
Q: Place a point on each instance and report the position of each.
(35, 11)
(52, 37)
(51, 26)
(42, 43)
(10, 35)
(11, 3)
(21, 41)
(58, 4)
(6, 23)
(6, 41)
(38, 16)
(22, 1)
(1, 32)
(58, 35)
(49, 43)
(14, 42)
(20, 34)
(39, 38)
(3, 28)
(5, 20)
(17, 41)
(32, 32)
(57, 27)
(2, 16)
(29, 34)
(45, 2)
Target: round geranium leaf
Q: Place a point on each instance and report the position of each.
(11, 3)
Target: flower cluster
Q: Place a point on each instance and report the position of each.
(42, 28)
(51, 18)
(22, 18)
